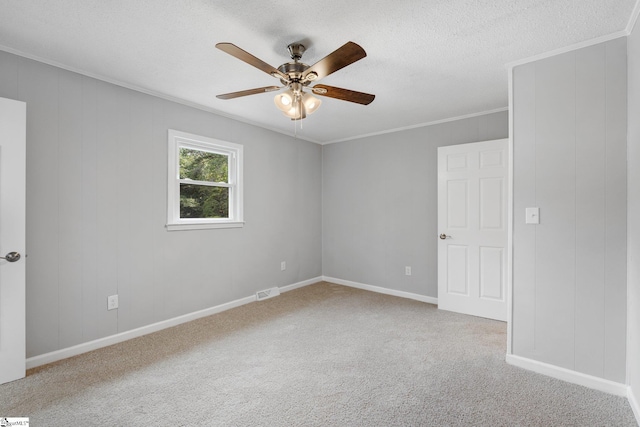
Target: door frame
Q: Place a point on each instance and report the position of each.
(510, 219)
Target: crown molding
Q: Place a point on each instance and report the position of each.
(419, 125)
(633, 18)
(569, 48)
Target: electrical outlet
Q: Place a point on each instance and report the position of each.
(283, 266)
(112, 302)
(407, 271)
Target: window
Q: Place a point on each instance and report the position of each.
(205, 183)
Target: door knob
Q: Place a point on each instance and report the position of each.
(11, 256)
(444, 236)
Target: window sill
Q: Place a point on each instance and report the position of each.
(204, 226)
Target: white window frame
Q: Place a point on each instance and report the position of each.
(179, 140)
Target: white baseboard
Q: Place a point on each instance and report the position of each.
(568, 375)
(301, 284)
(64, 353)
(381, 290)
(635, 405)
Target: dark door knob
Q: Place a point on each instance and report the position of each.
(11, 256)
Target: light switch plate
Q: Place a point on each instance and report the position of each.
(532, 215)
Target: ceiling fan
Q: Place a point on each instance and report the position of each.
(294, 102)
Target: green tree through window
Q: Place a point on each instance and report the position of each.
(203, 198)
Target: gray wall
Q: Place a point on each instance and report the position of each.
(380, 203)
(569, 299)
(633, 218)
(96, 209)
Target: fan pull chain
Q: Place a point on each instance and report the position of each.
(297, 100)
(295, 122)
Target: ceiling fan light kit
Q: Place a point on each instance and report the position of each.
(294, 102)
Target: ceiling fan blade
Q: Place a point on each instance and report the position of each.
(245, 56)
(343, 94)
(248, 92)
(339, 58)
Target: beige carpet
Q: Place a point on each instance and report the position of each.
(323, 355)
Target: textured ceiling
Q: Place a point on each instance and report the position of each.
(427, 60)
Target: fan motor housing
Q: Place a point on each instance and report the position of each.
(294, 70)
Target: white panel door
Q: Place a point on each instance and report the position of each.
(12, 239)
(472, 226)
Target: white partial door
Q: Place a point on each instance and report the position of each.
(12, 239)
(472, 227)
